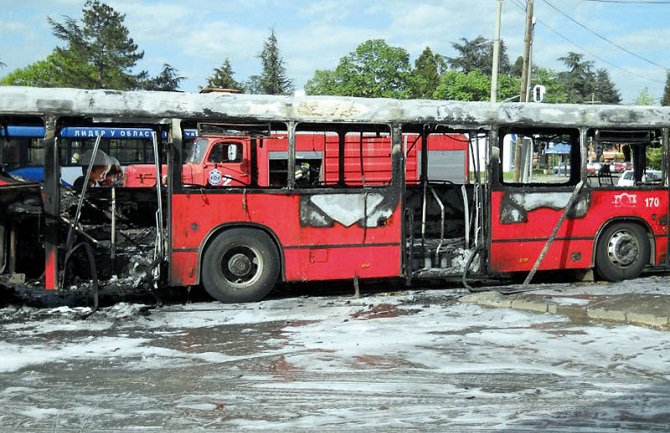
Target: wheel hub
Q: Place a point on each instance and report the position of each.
(240, 265)
(622, 249)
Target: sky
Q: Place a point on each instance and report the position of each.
(628, 38)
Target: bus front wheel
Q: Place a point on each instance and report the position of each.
(622, 252)
(240, 265)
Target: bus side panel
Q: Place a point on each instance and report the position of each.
(661, 248)
(648, 205)
(183, 268)
(317, 263)
(316, 250)
(520, 231)
(514, 256)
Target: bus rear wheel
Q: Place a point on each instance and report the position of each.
(240, 265)
(622, 252)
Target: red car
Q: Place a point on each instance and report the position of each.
(619, 166)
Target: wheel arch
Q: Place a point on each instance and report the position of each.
(630, 220)
(216, 231)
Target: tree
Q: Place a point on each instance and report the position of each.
(666, 92)
(459, 86)
(516, 69)
(579, 79)
(555, 89)
(644, 98)
(273, 79)
(167, 80)
(477, 54)
(42, 73)
(324, 82)
(508, 87)
(99, 52)
(374, 70)
(604, 89)
(425, 77)
(222, 78)
(474, 86)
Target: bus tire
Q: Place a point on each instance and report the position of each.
(622, 252)
(240, 265)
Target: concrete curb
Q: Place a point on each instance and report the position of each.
(651, 311)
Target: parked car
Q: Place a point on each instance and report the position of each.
(621, 166)
(592, 168)
(628, 177)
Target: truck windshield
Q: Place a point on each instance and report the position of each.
(197, 151)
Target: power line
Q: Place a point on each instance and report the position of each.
(631, 2)
(603, 37)
(559, 34)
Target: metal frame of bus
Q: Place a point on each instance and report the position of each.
(169, 110)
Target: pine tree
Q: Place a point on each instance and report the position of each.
(273, 79)
(425, 77)
(99, 52)
(579, 80)
(168, 80)
(222, 78)
(605, 90)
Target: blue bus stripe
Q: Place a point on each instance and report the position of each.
(88, 132)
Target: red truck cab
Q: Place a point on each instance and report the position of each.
(214, 161)
(218, 161)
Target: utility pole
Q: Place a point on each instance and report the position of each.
(496, 52)
(525, 74)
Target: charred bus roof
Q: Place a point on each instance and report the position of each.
(157, 107)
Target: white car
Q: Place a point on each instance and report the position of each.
(628, 177)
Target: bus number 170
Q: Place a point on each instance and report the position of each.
(651, 202)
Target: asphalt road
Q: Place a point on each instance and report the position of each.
(401, 361)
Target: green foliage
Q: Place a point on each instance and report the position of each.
(578, 79)
(222, 78)
(426, 74)
(99, 52)
(167, 80)
(474, 86)
(273, 79)
(42, 73)
(556, 92)
(373, 70)
(604, 89)
(477, 54)
(666, 92)
(508, 87)
(459, 86)
(654, 157)
(517, 68)
(324, 82)
(583, 84)
(644, 98)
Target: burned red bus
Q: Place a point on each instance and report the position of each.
(381, 200)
